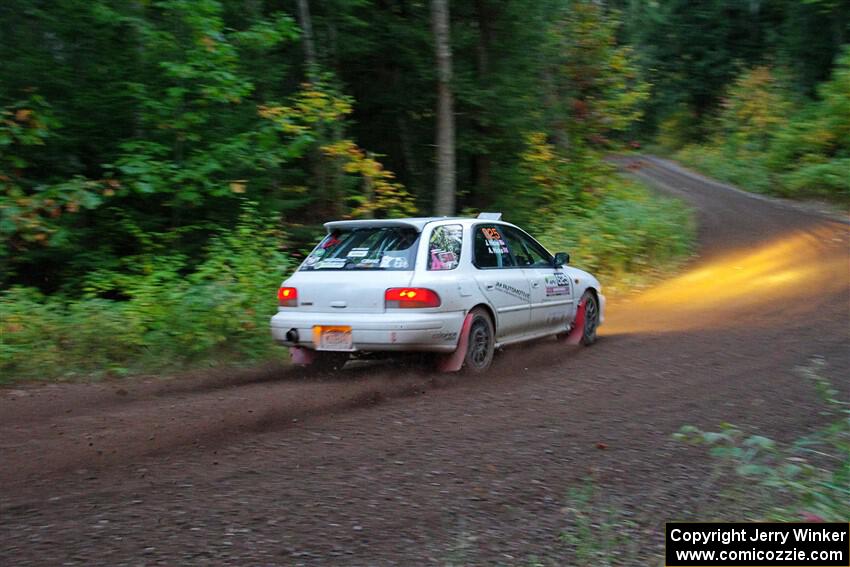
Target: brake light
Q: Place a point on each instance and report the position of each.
(411, 297)
(287, 297)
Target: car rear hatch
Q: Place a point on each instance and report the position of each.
(352, 267)
(345, 292)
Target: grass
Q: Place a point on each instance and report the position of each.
(748, 171)
(598, 535)
(824, 183)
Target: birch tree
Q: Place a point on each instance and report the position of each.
(445, 187)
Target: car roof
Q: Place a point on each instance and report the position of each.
(417, 223)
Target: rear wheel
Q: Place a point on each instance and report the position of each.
(591, 318)
(479, 351)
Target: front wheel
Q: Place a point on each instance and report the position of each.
(479, 351)
(591, 318)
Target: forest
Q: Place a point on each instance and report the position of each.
(165, 163)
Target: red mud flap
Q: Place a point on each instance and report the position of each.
(454, 361)
(302, 356)
(574, 336)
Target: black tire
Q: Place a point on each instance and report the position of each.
(481, 344)
(591, 318)
(326, 362)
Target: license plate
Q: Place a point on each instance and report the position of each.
(332, 338)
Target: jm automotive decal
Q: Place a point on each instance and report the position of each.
(511, 290)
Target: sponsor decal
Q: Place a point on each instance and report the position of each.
(557, 284)
(394, 262)
(314, 257)
(444, 336)
(331, 263)
(358, 252)
(513, 291)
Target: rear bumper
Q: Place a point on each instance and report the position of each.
(373, 332)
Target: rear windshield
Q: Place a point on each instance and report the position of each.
(386, 248)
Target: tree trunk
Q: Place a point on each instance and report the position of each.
(482, 164)
(327, 174)
(138, 11)
(445, 189)
(306, 24)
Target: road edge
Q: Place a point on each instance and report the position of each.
(777, 201)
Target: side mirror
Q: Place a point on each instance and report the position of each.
(561, 258)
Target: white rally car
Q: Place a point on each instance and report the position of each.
(457, 286)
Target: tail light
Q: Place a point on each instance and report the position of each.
(411, 297)
(287, 297)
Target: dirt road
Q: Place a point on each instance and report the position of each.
(387, 465)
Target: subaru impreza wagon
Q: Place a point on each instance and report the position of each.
(457, 287)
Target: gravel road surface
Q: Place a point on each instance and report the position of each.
(386, 464)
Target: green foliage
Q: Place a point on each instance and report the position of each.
(761, 145)
(721, 163)
(552, 185)
(127, 151)
(165, 318)
(811, 152)
(751, 111)
(829, 179)
(677, 129)
(204, 130)
(812, 474)
(631, 231)
(563, 189)
(596, 86)
(30, 209)
(612, 226)
(692, 52)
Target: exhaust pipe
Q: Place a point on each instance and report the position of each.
(292, 336)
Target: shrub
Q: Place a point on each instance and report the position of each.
(677, 129)
(632, 231)
(812, 474)
(828, 179)
(573, 200)
(217, 312)
(743, 168)
(762, 146)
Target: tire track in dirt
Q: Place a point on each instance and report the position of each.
(45, 431)
(477, 471)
